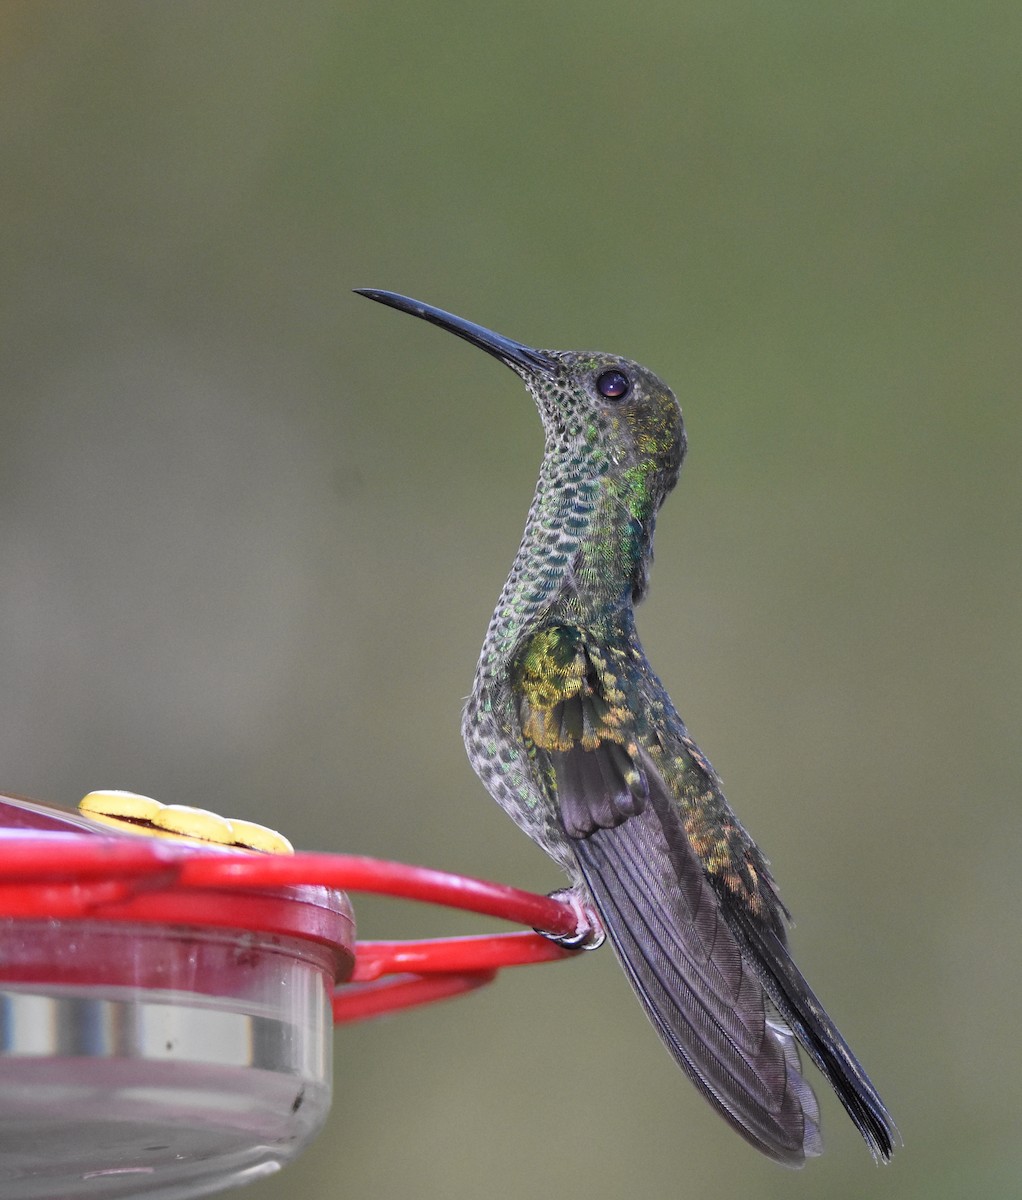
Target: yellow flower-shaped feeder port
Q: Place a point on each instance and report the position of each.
(131, 813)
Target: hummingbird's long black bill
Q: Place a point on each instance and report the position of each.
(518, 357)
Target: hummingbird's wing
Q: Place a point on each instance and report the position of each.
(715, 978)
(664, 921)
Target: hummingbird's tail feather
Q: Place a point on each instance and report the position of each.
(687, 968)
(805, 1015)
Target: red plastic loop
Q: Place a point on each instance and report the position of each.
(356, 874)
(357, 1002)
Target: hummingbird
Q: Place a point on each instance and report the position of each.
(573, 734)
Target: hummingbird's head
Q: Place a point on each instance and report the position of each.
(617, 412)
(595, 407)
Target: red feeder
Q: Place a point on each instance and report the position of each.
(166, 1009)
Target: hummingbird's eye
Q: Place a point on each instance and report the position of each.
(613, 384)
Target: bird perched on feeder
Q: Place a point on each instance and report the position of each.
(575, 737)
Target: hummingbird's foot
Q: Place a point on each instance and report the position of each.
(588, 927)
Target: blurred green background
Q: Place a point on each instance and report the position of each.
(252, 527)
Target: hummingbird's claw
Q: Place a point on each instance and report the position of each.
(589, 933)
